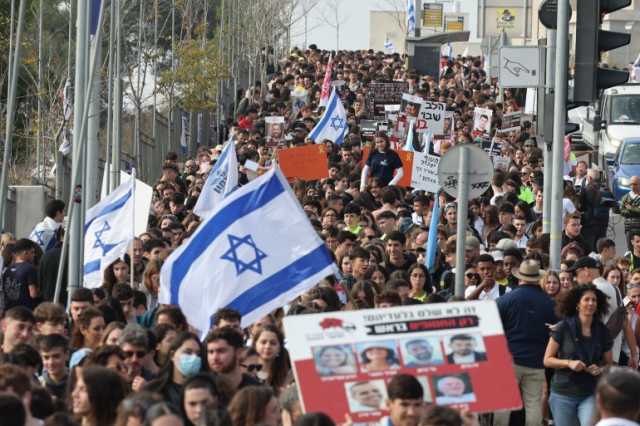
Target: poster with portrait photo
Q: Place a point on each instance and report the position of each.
(453, 389)
(411, 105)
(378, 339)
(336, 360)
(381, 355)
(366, 396)
(275, 130)
(464, 348)
(421, 352)
(482, 123)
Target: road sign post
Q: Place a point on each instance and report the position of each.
(465, 172)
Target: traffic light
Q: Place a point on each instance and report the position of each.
(589, 78)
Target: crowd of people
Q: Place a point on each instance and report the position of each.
(114, 355)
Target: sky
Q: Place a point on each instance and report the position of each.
(354, 31)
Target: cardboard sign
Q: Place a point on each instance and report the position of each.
(424, 174)
(482, 122)
(457, 351)
(431, 118)
(275, 130)
(307, 162)
(407, 164)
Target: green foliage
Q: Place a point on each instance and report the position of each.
(197, 75)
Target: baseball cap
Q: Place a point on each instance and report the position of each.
(585, 262)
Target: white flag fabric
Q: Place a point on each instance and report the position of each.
(411, 16)
(255, 253)
(389, 46)
(333, 123)
(222, 180)
(108, 231)
(44, 233)
(184, 133)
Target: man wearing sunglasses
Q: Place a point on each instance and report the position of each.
(223, 346)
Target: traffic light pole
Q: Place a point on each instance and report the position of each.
(559, 110)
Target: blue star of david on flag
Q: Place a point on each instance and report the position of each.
(337, 122)
(105, 247)
(39, 235)
(231, 255)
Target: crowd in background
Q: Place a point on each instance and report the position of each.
(115, 355)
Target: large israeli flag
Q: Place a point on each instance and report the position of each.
(255, 253)
(411, 16)
(333, 123)
(108, 231)
(222, 179)
(44, 233)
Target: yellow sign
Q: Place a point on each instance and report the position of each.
(432, 14)
(454, 23)
(505, 18)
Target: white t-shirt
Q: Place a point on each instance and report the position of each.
(609, 290)
(492, 294)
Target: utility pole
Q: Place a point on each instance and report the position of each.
(110, 65)
(559, 109)
(117, 103)
(548, 139)
(39, 144)
(11, 110)
(93, 143)
(80, 86)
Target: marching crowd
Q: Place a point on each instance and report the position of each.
(114, 355)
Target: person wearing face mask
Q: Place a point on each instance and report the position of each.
(184, 362)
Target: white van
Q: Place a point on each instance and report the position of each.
(620, 119)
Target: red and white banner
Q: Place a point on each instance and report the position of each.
(343, 360)
(326, 84)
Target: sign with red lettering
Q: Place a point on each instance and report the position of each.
(457, 351)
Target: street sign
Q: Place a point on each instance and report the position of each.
(479, 170)
(520, 67)
(548, 14)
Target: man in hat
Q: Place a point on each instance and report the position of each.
(587, 270)
(525, 314)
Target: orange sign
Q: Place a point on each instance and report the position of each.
(407, 164)
(307, 162)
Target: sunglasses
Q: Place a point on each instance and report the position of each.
(252, 367)
(138, 354)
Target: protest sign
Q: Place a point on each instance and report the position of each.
(384, 93)
(307, 162)
(511, 119)
(424, 174)
(456, 350)
(368, 129)
(431, 117)
(391, 112)
(275, 130)
(481, 122)
(299, 99)
(411, 105)
(407, 164)
(500, 162)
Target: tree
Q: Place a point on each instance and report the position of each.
(332, 17)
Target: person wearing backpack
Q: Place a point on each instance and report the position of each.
(587, 270)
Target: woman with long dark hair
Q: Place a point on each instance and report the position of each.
(255, 405)
(579, 348)
(184, 362)
(383, 163)
(88, 330)
(268, 341)
(96, 396)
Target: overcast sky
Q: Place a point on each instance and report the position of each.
(354, 17)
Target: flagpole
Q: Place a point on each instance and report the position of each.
(117, 103)
(133, 223)
(76, 173)
(11, 110)
(39, 147)
(110, 64)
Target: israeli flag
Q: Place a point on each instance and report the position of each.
(255, 253)
(411, 16)
(333, 123)
(108, 231)
(44, 233)
(388, 45)
(222, 179)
